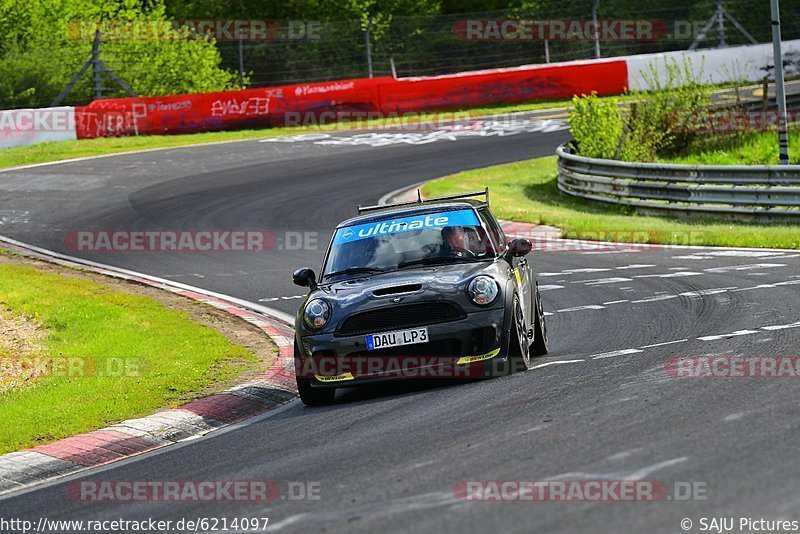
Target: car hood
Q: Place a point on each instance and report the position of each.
(436, 278)
(408, 286)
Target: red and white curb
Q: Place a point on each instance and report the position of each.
(268, 391)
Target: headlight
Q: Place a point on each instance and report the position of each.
(317, 314)
(482, 290)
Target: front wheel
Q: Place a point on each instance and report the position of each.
(314, 396)
(519, 356)
(539, 345)
(311, 396)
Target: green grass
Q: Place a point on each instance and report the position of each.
(753, 148)
(175, 357)
(526, 192)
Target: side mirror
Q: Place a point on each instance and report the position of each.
(519, 247)
(305, 277)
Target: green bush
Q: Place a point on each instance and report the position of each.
(596, 126)
(660, 122)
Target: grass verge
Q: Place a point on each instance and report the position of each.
(752, 148)
(106, 355)
(526, 192)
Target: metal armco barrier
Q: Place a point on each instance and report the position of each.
(764, 192)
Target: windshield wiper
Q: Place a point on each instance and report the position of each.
(355, 270)
(436, 259)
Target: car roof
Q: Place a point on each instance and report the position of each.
(410, 211)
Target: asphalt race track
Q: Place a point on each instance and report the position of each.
(387, 458)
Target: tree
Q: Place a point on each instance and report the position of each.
(47, 41)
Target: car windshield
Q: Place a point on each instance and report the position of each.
(391, 244)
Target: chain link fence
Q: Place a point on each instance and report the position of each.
(441, 45)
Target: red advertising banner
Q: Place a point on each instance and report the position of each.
(277, 106)
(518, 84)
(256, 108)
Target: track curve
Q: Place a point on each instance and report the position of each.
(387, 458)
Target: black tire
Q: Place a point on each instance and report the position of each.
(519, 358)
(539, 346)
(314, 396)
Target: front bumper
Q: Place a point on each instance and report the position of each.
(473, 347)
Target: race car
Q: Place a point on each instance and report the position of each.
(423, 289)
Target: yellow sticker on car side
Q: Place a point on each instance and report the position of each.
(471, 359)
(335, 378)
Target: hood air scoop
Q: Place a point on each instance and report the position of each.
(397, 290)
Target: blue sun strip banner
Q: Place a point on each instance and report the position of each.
(429, 221)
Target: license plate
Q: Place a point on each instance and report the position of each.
(398, 338)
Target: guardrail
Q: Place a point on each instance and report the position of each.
(763, 192)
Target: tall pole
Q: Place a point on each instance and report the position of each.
(780, 94)
(596, 29)
(721, 25)
(241, 61)
(367, 39)
(97, 66)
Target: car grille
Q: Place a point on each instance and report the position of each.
(398, 317)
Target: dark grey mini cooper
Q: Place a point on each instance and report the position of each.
(425, 289)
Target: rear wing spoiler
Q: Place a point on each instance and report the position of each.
(421, 201)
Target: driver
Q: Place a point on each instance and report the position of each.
(455, 241)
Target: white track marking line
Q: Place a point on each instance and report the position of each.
(557, 362)
(768, 286)
(580, 308)
(613, 353)
(677, 274)
(664, 343)
(710, 255)
(612, 251)
(599, 270)
(574, 271)
(781, 326)
(654, 299)
(639, 474)
(616, 301)
(748, 267)
(725, 336)
(548, 287)
(275, 299)
(602, 281)
(635, 266)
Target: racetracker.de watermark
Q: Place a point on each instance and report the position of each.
(605, 491)
(70, 367)
(257, 30)
(37, 120)
(189, 240)
(601, 241)
(733, 367)
(160, 491)
(560, 29)
(407, 121)
(729, 120)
